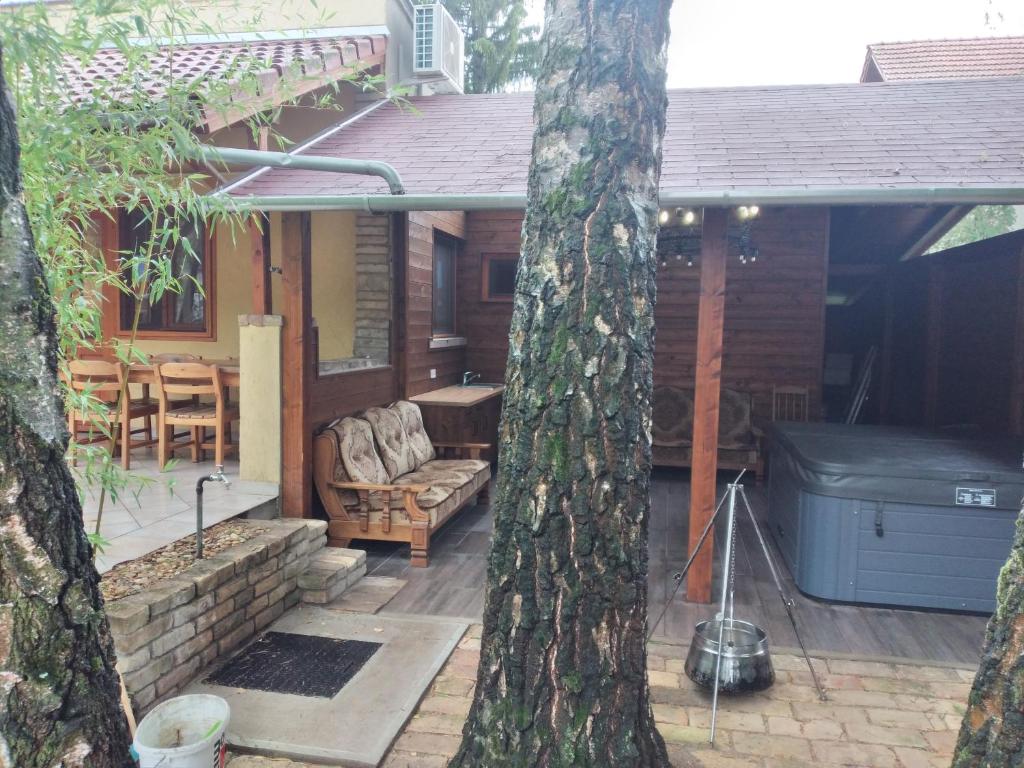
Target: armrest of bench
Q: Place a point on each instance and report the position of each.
(408, 492)
(473, 449)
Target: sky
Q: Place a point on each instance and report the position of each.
(771, 42)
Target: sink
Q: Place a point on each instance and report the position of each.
(480, 385)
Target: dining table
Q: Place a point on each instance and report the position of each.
(143, 373)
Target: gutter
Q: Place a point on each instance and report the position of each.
(227, 155)
(381, 203)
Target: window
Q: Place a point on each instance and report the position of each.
(499, 276)
(445, 251)
(188, 311)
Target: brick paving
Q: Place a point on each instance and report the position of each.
(880, 714)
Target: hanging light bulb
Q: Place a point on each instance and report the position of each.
(679, 257)
(743, 212)
(754, 210)
(689, 262)
(663, 217)
(689, 217)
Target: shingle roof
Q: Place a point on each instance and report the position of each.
(938, 59)
(311, 62)
(851, 136)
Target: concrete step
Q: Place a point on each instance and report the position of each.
(331, 571)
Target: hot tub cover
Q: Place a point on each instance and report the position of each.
(898, 463)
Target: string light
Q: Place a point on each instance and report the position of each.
(689, 217)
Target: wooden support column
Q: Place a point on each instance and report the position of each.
(707, 389)
(933, 344)
(1016, 415)
(296, 366)
(259, 237)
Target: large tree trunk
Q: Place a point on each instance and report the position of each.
(562, 678)
(59, 692)
(992, 732)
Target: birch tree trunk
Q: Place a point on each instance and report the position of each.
(992, 732)
(59, 692)
(562, 678)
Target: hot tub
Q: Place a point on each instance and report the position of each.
(891, 515)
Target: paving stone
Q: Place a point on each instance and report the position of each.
(762, 745)
(860, 755)
(446, 705)
(919, 758)
(750, 722)
(901, 718)
(943, 742)
(879, 734)
(430, 743)
(436, 723)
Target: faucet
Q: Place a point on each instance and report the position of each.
(469, 377)
(217, 476)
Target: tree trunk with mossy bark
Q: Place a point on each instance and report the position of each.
(562, 678)
(992, 732)
(59, 691)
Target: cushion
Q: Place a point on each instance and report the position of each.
(395, 450)
(735, 421)
(358, 453)
(412, 421)
(672, 416)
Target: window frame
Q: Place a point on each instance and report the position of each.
(435, 332)
(122, 323)
(486, 260)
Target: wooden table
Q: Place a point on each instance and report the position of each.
(463, 415)
(230, 373)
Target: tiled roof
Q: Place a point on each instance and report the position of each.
(939, 59)
(310, 63)
(851, 136)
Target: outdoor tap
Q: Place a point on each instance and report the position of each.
(217, 476)
(469, 377)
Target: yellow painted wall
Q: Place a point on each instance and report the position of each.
(233, 298)
(255, 15)
(334, 288)
(334, 278)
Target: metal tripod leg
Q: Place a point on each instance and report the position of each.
(786, 600)
(728, 563)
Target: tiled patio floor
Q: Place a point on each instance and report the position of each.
(882, 714)
(163, 510)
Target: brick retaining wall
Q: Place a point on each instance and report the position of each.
(166, 635)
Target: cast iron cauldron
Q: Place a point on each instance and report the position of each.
(746, 664)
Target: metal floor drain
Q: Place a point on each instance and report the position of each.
(304, 665)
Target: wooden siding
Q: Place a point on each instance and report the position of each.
(419, 358)
(958, 355)
(486, 322)
(774, 308)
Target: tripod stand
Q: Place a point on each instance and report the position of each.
(727, 598)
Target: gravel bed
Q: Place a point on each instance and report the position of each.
(133, 576)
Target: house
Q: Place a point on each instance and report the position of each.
(848, 180)
(973, 57)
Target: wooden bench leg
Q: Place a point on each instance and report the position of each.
(420, 557)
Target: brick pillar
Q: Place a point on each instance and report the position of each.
(373, 287)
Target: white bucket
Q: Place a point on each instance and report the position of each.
(185, 732)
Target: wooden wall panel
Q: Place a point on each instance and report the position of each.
(774, 308)
(486, 322)
(419, 358)
(960, 318)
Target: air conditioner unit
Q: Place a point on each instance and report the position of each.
(438, 47)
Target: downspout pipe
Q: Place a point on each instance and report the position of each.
(254, 157)
(380, 203)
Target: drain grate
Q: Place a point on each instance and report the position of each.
(304, 665)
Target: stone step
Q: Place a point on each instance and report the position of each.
(331, 571)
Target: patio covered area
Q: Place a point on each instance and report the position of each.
(453, 586)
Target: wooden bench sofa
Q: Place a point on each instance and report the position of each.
(739, 439)
(380, 477)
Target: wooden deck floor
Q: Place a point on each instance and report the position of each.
(453, 586)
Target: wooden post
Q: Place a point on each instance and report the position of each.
(707, 389)
(296, 366)
(933, 344)
(885, 377)
(259, 237)
(1016, 414)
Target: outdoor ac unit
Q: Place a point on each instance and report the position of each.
(438, 47)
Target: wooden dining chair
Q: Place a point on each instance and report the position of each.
(194, 380)
(790, 403)
(103, 380)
